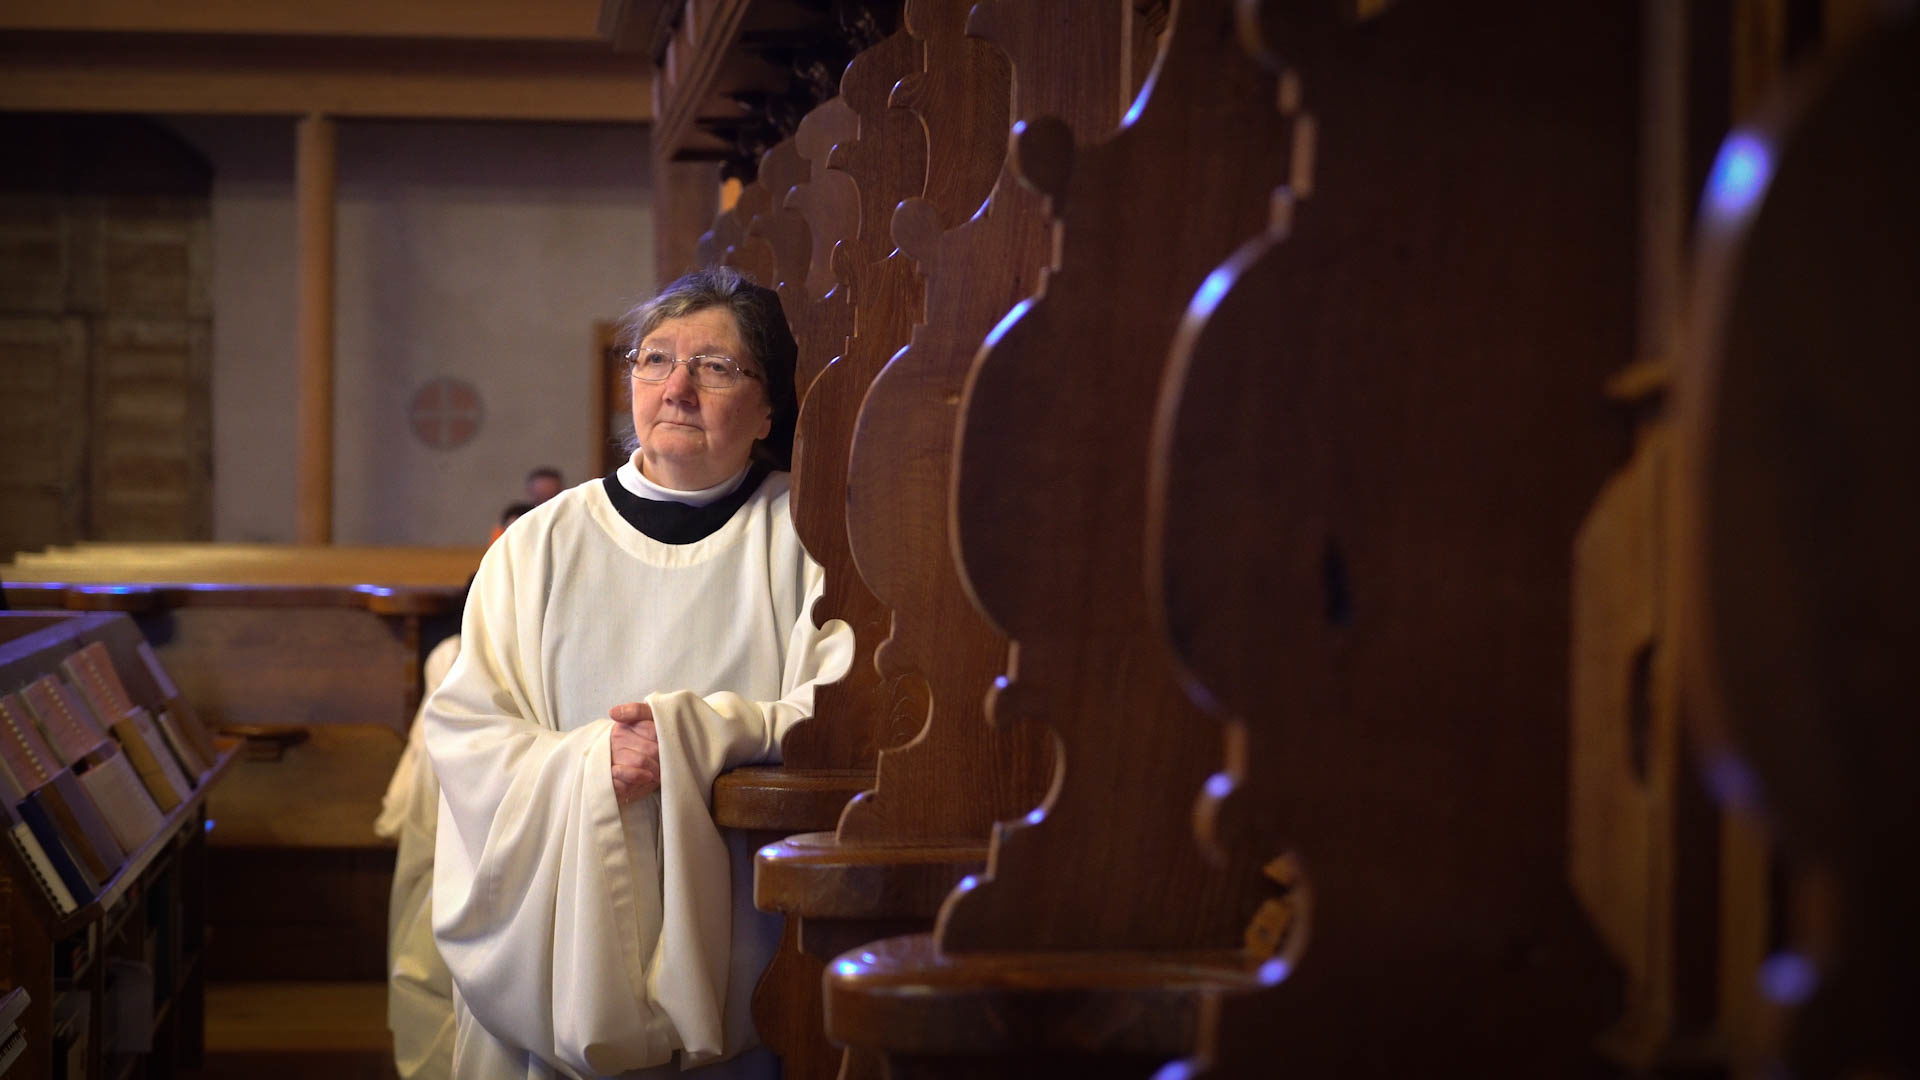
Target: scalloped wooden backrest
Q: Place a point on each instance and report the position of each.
(1797, 386)
(883, 163)
(747, 252)
(1050, 504)
(827, 209)
(827, 200)
(784, 231)
(1383, 422)
(961, 94)
(959, 775)
(805, 209)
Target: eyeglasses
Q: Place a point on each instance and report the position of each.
(711, 372)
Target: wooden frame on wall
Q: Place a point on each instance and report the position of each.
(609, 398)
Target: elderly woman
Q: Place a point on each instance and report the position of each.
(623, 644)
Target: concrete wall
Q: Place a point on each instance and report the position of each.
(481, 251)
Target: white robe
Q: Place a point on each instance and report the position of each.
(586, 939)
(419, 988)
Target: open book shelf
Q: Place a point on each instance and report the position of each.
(116, 984)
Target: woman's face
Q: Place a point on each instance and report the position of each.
(692, 437)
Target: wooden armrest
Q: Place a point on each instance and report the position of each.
(814, 876)
(900, 996)
(775, 799)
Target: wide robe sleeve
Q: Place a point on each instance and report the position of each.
(551, 903)
(700, 737)
(419, 988)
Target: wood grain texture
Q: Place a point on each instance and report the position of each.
(794, 1033)
(885, 163)
(860, 150)
(816, 212)
(827, 200)
(1053, 438)
(838, 890)
(747, 252)
(961, 95)
(827, 758)
(1800, 458)
(959, 775)
(1121, 1014)
(1381, 429)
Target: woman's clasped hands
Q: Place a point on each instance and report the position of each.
(636, 752)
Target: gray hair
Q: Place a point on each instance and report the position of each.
(763, 327)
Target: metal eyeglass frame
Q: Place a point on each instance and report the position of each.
(632, 361)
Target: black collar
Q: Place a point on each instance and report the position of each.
(676, 522)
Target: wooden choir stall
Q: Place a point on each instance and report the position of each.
(1375, 533)
(1319, 608)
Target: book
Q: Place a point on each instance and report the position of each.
(80, 808)
(152, 761)
(71, 728)
(193, 728)
(124, 801)
(182, 747)
(11, 792)
(31, 760)
(98, 864)
(91, 669)
(42, 866)
(81, 886)
(174, 704)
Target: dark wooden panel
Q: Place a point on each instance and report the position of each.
(1051, 497)
(1384, 423)
(884, 163)
(960, 774)
(1797, 533)
(278, 913)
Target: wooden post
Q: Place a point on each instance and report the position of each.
(314, 197)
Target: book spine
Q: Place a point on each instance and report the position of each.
(79, 887)
(36, 859)
(87, 813)
(54, 803)
(146, 765)
(183, 749)
(150, 731)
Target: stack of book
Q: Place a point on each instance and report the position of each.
(87, 776)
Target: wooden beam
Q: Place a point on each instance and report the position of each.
(342, 78)
(548, 20)
(314, 174)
